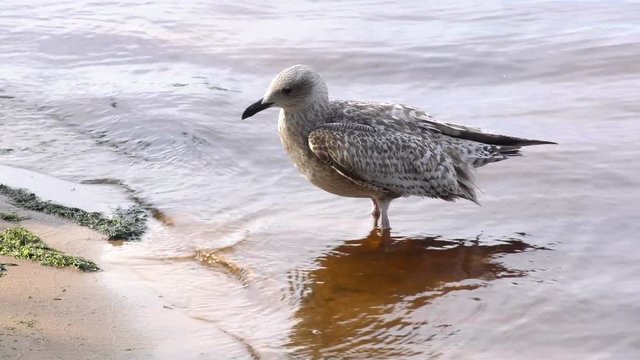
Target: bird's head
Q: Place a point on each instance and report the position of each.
(293, 89)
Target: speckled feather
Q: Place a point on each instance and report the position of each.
(398, 163)
(402, 151)
(472, 145)
(376, 150)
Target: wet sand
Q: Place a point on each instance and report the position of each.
(51, 313)
(61, 313)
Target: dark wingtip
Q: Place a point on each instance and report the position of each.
(528, 142)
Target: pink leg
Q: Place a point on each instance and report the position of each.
(375, 212)
(383, 205)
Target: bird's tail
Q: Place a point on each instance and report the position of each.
(465, 176)
(483, 153)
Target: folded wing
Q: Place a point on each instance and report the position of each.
(392, 162)
(412, 120)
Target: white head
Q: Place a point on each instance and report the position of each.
(294, 89)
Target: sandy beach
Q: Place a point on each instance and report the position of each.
(51, 313)
(62, 313)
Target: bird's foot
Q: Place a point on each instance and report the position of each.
(385, 234)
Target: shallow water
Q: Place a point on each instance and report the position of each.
(150, 95)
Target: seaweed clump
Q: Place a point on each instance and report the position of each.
(11, 217)
(124, 224)
(18, 242)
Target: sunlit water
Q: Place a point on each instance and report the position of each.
(150, 95)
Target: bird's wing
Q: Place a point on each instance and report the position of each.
(404, 118)
(392, 162)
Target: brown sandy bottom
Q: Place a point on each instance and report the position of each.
(51, 313)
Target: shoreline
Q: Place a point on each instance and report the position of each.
(63, 313)
(54, 313)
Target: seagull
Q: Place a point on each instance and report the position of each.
(377, 150)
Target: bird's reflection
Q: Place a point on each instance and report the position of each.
(367, 297)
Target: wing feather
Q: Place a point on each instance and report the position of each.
(409, 119)
(396, 163)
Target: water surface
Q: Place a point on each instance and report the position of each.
(150, 95)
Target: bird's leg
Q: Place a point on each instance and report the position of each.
(375, 212)
(383, 204)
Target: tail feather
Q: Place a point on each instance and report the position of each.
(486, 154)
(482, 154)
(508, 151)
(471, 148)
(466, 182)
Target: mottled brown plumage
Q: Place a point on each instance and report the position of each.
(375, 150)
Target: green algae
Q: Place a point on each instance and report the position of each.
(124, 224)
(155, 212)
(11, 217)
(18, 242)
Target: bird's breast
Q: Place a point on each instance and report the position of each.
(294, 138)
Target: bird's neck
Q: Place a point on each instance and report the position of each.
(306, 118)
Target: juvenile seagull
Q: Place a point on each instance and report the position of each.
(376, 150)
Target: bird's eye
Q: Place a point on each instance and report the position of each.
(287, 91)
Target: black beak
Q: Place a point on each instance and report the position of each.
(255, 108)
